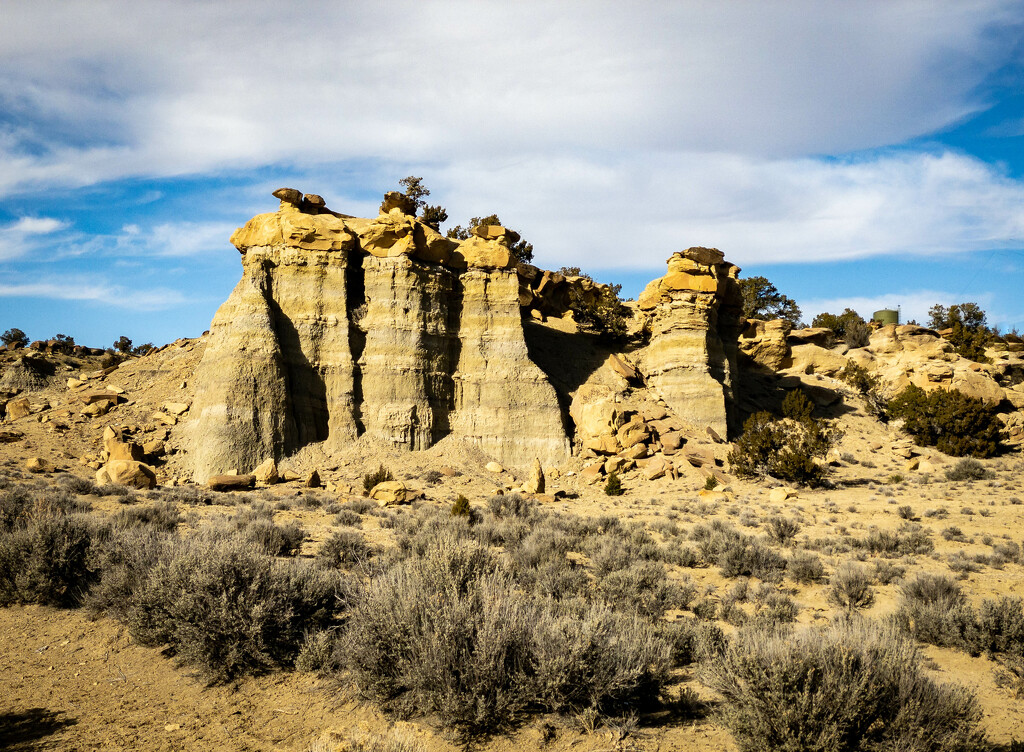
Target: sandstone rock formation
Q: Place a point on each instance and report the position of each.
(694, 322)
(343, 326)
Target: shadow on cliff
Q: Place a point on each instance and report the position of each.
(307, 392)
(567, 359)
(759, 388)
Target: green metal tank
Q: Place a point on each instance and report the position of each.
(886, 316)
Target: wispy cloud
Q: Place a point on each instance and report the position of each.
(95, 291)
(23, 236)
(176, 88)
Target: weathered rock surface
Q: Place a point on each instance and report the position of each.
(694, 321)
(129, 473)
(343, 326)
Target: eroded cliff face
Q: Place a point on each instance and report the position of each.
(694, 321)
(343, 326)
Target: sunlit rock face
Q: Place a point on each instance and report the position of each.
(342, 326)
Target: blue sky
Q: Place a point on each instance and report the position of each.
(863, 154)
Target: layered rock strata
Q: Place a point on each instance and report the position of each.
(694, 315)
(343, 326)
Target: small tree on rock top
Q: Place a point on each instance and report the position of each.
(762, 300)
(14, 335)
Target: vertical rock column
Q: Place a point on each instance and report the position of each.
(407, 362)
(688, 362)
(504, 402)
(241, 397)
(309, 302)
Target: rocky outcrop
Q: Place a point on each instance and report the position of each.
(694, 322)
(342, 326)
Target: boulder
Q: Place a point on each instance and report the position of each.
(658, 467)
(266, 472)
(231, 482)
(313, 480)
(781, 495)
(389, 492)
(117, 448)
(535, 482)
(129, 473)
(154, 448)
(39, 465)
(18, 408)
(494, 467)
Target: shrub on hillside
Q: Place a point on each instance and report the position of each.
(869, 386)
(228, 610)
(48, 560)
(784, 449)
(850, 686)
(949, 420)
(967, 469)
(380, 475)
(850, 587)
(933, 609)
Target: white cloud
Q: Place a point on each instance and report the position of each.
(176, 88)
(95, 291)
(636, 213)
(26, 234)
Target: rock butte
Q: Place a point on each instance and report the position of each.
(342, 326)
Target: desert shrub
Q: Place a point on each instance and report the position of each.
(905, 512)
(613, 487)
(447, 634)
(161, 515)
(125, 559)
(590, 657)
(782, 530)
(228, 610)
(772, 609)
(344, 549)
(541, 567)
(948, 420)
(869, 386)
(76, 485)
(189, 495)
(850, 587)
(805, 568)
(461, 508)
(691, 640)
(380, 475)
(797, 405)
(1000, 627)
(644, 587)
(910, 539)
(967, 469)
(317, 653)
(849, 686)
(746, 557)
(47, 561)
(784, 449)
(886, 572)
(348, 518)
(276, 540)
(933, 609)
(513, 505)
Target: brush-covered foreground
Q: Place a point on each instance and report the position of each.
(889, 623)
